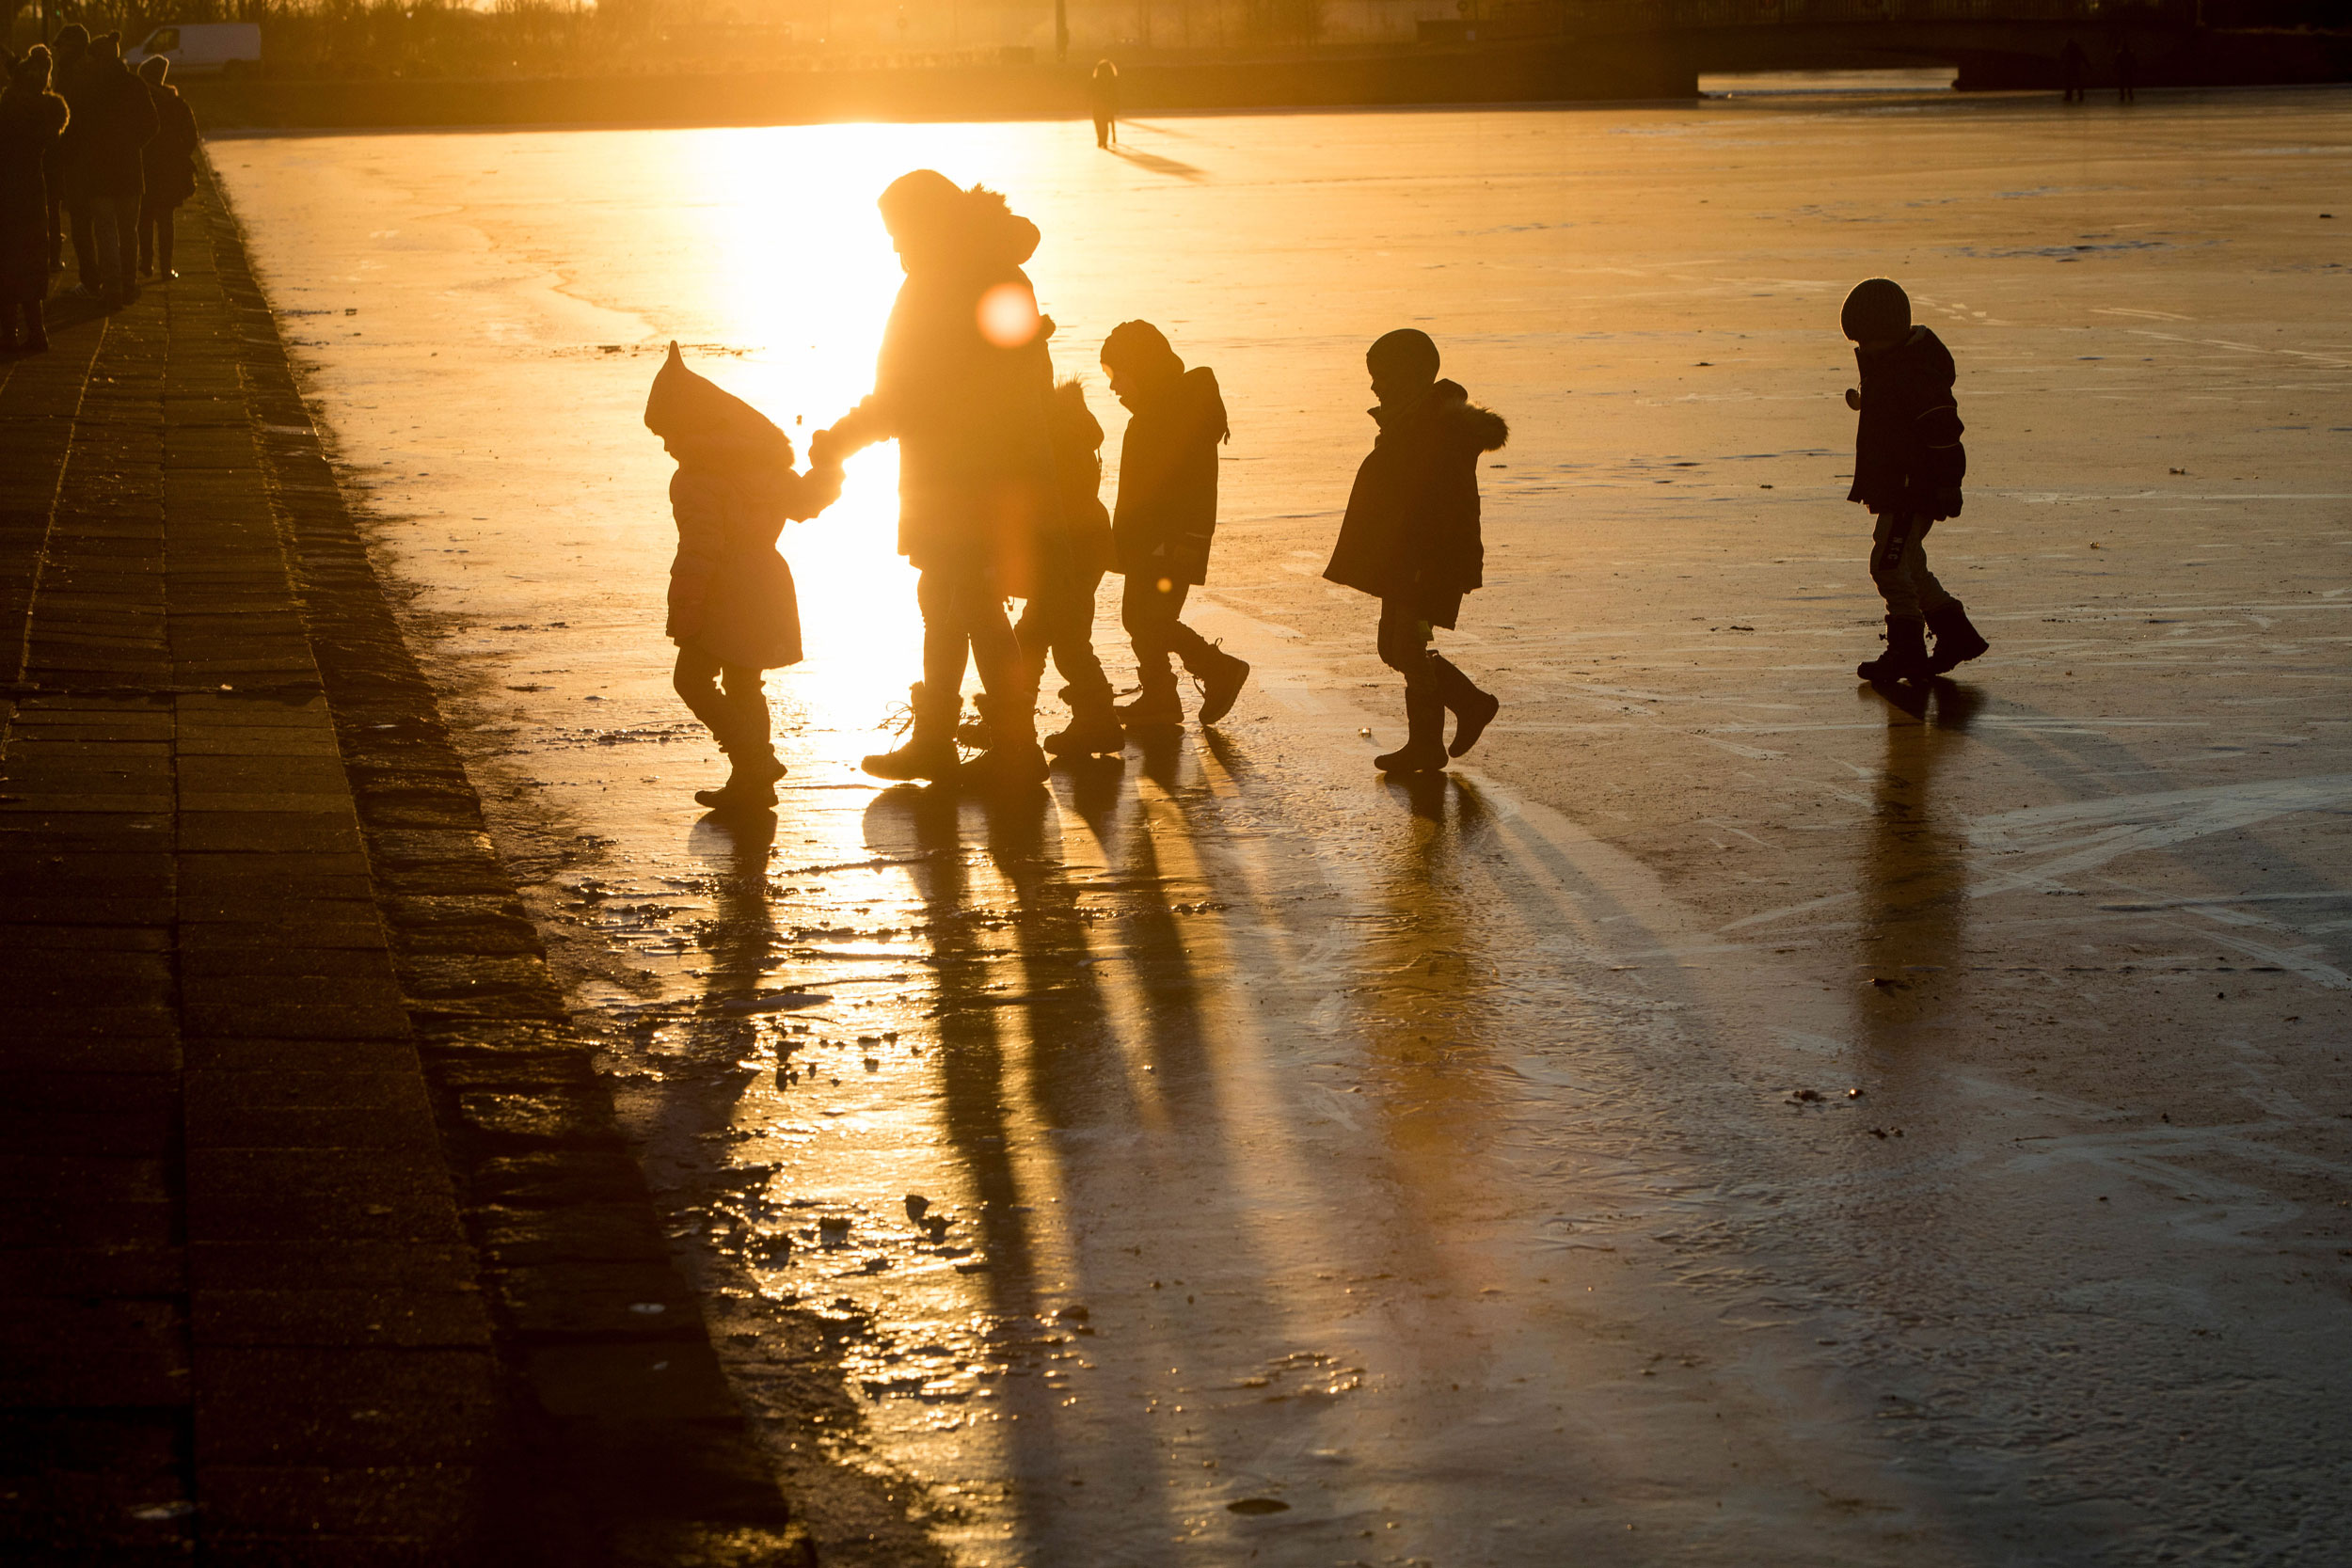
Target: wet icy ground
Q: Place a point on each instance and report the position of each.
(1738, 1119)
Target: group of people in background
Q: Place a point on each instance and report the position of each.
(90, 148)
(999, 473)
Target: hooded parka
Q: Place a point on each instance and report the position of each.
(169, 160)
(1411, 533)
(731, 594)
(962, 383)
(113, 119)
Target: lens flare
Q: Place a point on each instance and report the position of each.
(1008, 315)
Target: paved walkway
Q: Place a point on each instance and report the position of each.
(317, 1243)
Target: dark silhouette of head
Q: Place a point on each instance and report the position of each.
(31, 73)
(71, 43)
(1404, 365)
(935, 224)
(1139, 362)
(153, 69)
(1877, 313)
(108, 46)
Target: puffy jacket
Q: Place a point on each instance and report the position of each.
(113, 119)
(30, 120)
(1908, 458)
(1166, 512)
(1412, 527)
(1077, 436)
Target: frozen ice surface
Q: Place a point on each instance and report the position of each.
(1735, 1118)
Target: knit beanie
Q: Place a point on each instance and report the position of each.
(1876, 311)
(1407, 354)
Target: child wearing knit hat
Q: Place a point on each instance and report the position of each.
(1908, 466)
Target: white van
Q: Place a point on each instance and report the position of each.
(202, 48)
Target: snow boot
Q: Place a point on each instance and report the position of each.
(931, 751)
(1424, 751)
(750, 786)
(1956, 640)
(1093, 729)
(1906, 656)
(1012, 760)
(1219, 676)
(1155, 705)
(1473, 709)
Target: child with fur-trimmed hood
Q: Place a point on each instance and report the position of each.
(1411, 539)
(1907, 468)
(733, 609)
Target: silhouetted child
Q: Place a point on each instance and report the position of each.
(31, 118)
(1059, 617)
(168, 163)
(732, 611)
(1411, 539)
(1907, 468)
(1166, 520)
(1102, 89)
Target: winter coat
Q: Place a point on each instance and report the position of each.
(1166, 512)
(30, 122)
(1077, 439)
(1908, 459)
(170, 161)
(1411, 531)
(731, 594)
(977, 492)
(113, 121)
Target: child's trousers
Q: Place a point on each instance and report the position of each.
(1899, 564)
(1404, 643)
(735, 712)
(1148, 612)
(1061, 620)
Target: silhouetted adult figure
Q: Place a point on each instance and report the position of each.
(963, 384)
(66, 211)
(1103, 90)
(2126, 72)
(168, 164)
(116, 120)
(2074, 66)
(31, 118)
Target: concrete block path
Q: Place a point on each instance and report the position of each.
(318, 1243)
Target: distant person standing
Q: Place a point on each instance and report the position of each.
(2074, 66)
(2126, 72)
(1411, 539)
(1166, 520)
(1907, 469)
(116, 120)
(68, 212)
(1104, 90)
(31, 118)
(169, 166)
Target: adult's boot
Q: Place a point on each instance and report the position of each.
(1906, 656)
(1472, 710)
(1012, 760)
(930, 750)
(1424, 751)
(1221, 675)
(1093, 729)
(1956, 640)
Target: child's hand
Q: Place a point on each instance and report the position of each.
(825, 450)
(1853, 398)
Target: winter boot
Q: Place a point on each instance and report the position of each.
(1012, 760)
(1906, 656)
(751, 783)
(36, 334)
(1473, 709)
(1219, 676)
(1156, 705)
(1424, 751)
(931, 751)
(1093, 729)
(1956, 640)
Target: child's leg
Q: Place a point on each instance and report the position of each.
(1403, 643)
(695, 679)
(1147, 611)
(164, 219)
(1072, 610)
(1893, 545)
(1931, 594)
(746, 692)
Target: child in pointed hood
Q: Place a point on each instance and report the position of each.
(734, 612)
